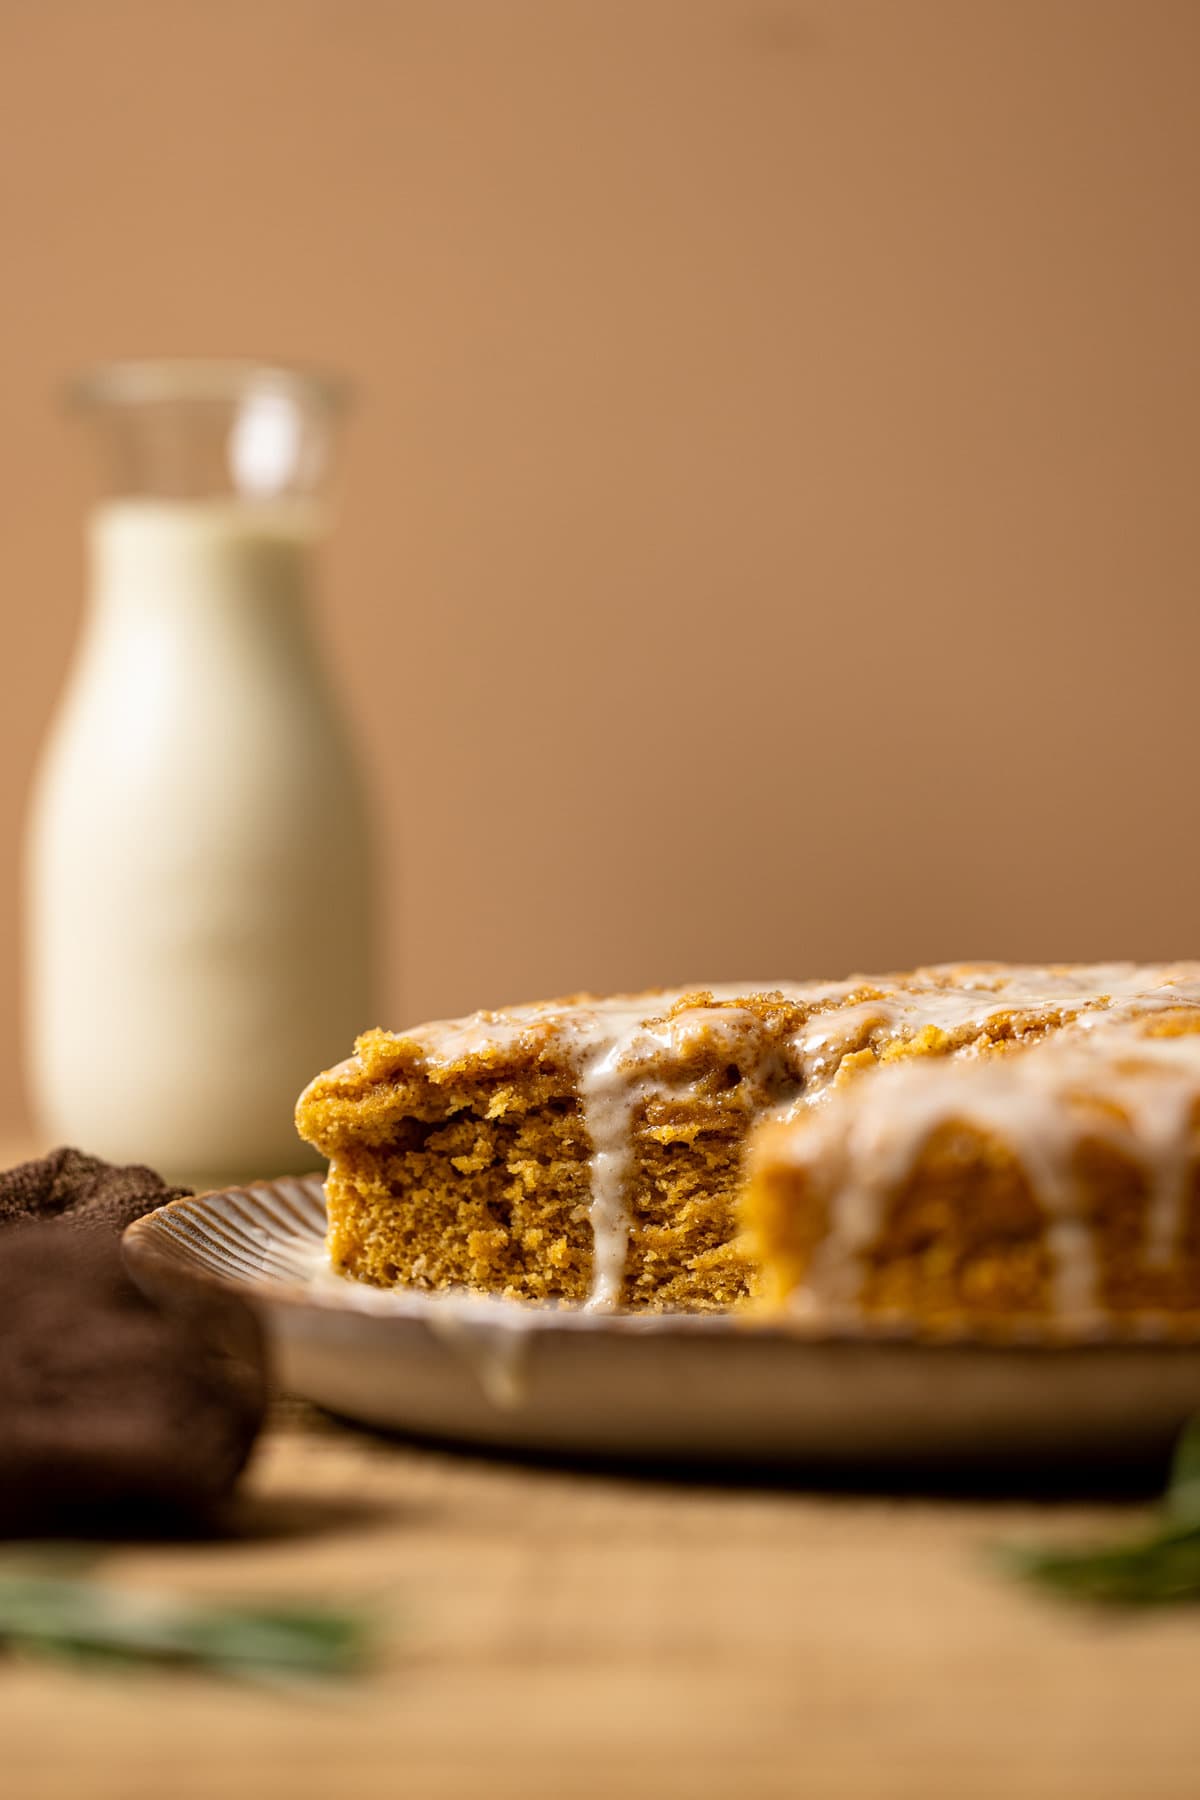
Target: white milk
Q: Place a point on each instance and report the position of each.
(198, 888)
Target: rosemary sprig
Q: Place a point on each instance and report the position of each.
(1160, 1566)
(1182, 1501)
(80, 1619)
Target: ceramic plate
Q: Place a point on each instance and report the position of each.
(662, 1386)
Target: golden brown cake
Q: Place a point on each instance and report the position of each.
(591, 1150)
(1062, 1184)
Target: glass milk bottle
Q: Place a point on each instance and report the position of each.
(198, 930)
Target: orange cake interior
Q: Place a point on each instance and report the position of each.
(592, 1151)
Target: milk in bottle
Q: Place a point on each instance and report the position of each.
(198, 881)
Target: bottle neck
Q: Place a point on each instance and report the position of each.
(165, 561)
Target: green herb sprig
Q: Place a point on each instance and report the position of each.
(1161, 1566)
(77, 1618)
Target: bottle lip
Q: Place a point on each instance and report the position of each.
(201, 380)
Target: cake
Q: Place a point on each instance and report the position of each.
(592, 1150)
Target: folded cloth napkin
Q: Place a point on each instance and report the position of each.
(116, 1413)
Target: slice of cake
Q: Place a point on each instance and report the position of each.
(1060, 1184)
(591, 1150)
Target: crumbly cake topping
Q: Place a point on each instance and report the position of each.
(783, 1046)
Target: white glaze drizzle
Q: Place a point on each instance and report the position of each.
(495, 1348)
(608, 1101)
(1163, 1114)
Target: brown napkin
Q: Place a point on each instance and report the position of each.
(81, 1190)
(116, 1414)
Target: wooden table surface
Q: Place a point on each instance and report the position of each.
(555, 1633)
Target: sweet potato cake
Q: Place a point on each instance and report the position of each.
(592, 1150)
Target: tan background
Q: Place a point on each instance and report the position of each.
(771, 534)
